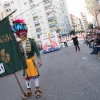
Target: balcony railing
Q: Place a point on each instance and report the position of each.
(49, 10)
(39, 32)
(36, 22)
(6, 5)
(51, 17)
(31, 1)
(48, 4)
(54, 28)
(52, 24)
(50, 14)
(33, 12)
(35, 19)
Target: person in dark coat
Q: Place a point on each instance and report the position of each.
(75, 41)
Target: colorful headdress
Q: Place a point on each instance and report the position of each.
(19, 27)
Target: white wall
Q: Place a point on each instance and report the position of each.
(2, 13)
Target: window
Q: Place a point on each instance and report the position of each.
(8, 10)
(35, 18)
(37, 24)
(12, 2)
(38, 29)
(30, 1)
(38, 36)
(34, 12)
(32, 6)
(25, 3)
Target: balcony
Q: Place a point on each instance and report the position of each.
(8, 11)
(35, 18)
(36, 22)
(39, 32)
(34, 12)
(49, 10)
(51, 17)
(31, 1)
(52, 24)
(37, 25)
(49, 14)
(54, 28)
(51, 21)
(6, 5)
(32, 6)
(48, 4)
(49, 7)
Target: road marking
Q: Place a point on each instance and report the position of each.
(84, 58)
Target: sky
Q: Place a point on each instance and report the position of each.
(77, 6)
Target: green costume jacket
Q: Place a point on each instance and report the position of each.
(31, 49)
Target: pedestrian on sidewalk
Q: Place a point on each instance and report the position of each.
(64, 41)
(75, 41)
(28, 49)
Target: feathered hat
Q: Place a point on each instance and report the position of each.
(19, 27)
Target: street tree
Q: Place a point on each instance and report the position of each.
(93, 7)
(72, 32)
(90, 26)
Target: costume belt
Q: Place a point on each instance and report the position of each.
(32, 58)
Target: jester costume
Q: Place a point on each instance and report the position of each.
(28, 49)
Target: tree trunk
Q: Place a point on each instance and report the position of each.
(97, 19)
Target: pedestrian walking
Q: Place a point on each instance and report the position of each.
(75, 41)
(28, 49)
(64, 41)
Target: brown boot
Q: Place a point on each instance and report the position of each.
(29, 92)
(38, 92)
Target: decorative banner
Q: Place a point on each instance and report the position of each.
(11, 59)
(50, 42)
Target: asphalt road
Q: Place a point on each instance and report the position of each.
(65, 75)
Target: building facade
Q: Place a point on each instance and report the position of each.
(41, 17)
(21, 7)
(76, 23)
(84, 20)
(2, 13)
(50, 16)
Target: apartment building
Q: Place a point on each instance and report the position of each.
(76, 22)
(21, 6)
(50, 16)
(81, 24)
(84, 19)
(2, 13)
(43, 17)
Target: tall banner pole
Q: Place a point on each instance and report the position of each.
(12, 13)
(24, 94)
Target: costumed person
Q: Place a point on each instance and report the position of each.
(64, 41)
(75, 41)
(28, 48)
